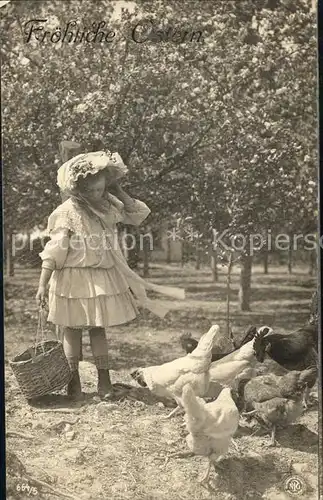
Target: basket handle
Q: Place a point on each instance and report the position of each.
(40, 332)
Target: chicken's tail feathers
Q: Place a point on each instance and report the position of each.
(259, 346)
(238, 395)
(138, 376)
(249, 335)
(188, 343)
(206, 342)
(308, 377)
(186, 335)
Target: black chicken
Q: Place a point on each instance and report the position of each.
(189, 344)
(293, 351)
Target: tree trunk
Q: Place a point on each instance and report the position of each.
(290, 259)
(265, 260)
(214, 264)
(81, 349)
(133, 253)
(10, 268)
(146, 248)
(230, 265)
(312, 263)
(245, 282)
(168, 252)
(183, 255)
(198, 257)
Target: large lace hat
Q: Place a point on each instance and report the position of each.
(89, 163)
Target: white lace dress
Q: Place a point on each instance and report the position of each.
(86, 287)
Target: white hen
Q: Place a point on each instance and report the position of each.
(210, 425)
(234, 366)
(168, 380)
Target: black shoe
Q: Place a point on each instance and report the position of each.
(105, 389)
(74, 390)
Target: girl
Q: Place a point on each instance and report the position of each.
(89, 278)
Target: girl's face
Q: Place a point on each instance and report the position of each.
(94, 187)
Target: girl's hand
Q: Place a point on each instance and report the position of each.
(123, 196)
(41, 296)
(114, 188)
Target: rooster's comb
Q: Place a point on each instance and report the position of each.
(265, 330)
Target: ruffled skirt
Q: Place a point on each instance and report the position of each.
(88, 297)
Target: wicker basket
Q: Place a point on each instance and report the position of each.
(41, 369)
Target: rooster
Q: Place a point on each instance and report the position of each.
(275, 401)
(210, 425)
(295, 350)
(168, 379)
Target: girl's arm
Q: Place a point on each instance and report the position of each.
(128, 202)
(45, 276)
(135, 211)
(42, 287)
(53, 257)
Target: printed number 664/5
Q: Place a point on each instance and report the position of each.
(25, 488)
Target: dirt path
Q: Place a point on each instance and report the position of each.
(120, 451)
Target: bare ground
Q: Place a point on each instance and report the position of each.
(123, 450)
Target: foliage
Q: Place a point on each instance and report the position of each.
(222, 130)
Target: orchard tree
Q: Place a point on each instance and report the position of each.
(111, 94)
(266, 93)
(222, 130)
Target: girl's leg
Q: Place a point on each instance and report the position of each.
(99, 348)
(72, 342)
(72, 348)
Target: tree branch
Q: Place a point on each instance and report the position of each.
(177, 157)
(135, 139)
(143, 116)
(241, 79)
(12, 51)
(180, 156)
(120, 101)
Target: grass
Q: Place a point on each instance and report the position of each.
(120, 452)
